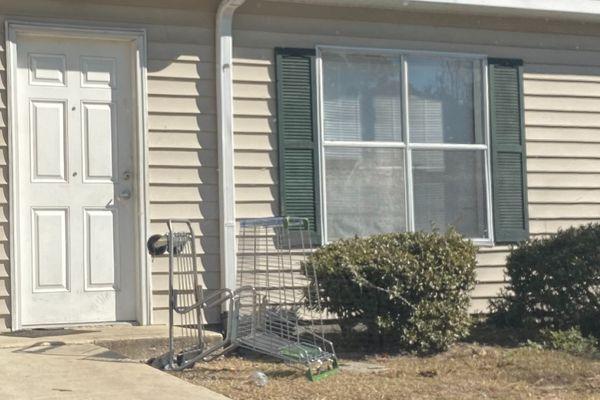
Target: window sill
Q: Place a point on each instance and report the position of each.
(483, 242)
(477, 242)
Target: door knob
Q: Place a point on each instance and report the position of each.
(125, 195)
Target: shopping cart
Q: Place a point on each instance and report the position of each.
(281, 321)
(187, 303)
(271, 310)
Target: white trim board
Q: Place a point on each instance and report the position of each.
(560, 9)
(138, 38)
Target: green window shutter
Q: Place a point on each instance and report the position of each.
(509, 168)
(298, 144)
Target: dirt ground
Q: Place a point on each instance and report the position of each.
(490, 364)
(467, 371)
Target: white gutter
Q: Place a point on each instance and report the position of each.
(224, 64)
(586, 9)
(555, 6)
(568, 6)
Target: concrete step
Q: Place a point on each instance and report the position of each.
(143, 349)
(134, 342)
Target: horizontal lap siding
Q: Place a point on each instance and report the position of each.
(255, 139)
(562, 121)
(182, 136)
(562, 101)
(563, 145)
(183, 148)
(562, 118)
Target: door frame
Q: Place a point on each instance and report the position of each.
(137, 37)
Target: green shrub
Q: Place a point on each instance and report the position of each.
(554, 283)
(570, 341)
(410, 287)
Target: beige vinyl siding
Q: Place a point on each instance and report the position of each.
(182, 136)
(182, 144)
(562, 90)
(562, 102)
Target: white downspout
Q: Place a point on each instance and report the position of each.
(224, 78)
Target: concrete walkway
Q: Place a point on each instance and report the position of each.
(71, 366)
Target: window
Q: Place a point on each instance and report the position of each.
(404, 143)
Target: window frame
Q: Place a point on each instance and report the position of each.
(406, 144)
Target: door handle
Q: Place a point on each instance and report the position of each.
(125, 194)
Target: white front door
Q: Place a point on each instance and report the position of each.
(75, 132)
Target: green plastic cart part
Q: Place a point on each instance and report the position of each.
(322, 375)
(298, 352)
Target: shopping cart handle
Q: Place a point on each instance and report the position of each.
(185, 309)
(211, 301)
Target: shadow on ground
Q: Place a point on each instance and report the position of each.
(37, 333)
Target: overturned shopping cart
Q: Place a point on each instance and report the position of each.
(273, 309)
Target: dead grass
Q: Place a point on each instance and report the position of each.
(491, 364)
(467, 371)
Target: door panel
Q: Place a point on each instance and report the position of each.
(48, 141)
(98, 72)
(76, 231)
(101, 268)
(49, 250)
(98, 141)
(47, 69)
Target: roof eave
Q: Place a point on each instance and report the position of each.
(559, 9)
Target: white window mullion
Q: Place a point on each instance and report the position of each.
(410, 215)
(320, 138)
(488, 155)
(447, 146)
(346, 143)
